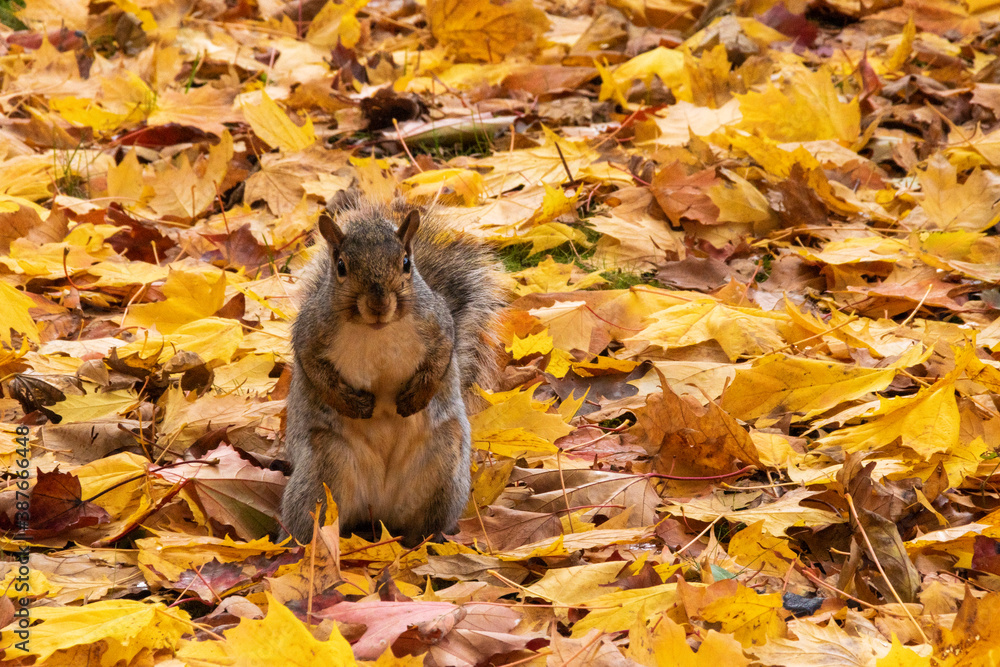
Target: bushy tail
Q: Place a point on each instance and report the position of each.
(467, 275)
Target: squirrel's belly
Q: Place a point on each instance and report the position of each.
(388, 458)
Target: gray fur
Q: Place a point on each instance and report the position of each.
(378, 414)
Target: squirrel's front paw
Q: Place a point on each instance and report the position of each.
(353, 403)
(414, 397)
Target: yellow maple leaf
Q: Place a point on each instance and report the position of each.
(125, 181)
(170, 554)
(125, 626)
(249, 375)
(547, 236)
(672, 14)
(956, 541)
(776, 159)
(383, 550)
(947, 205)
(569, 407)
(758, 551)
(739, 201)
(207, 108)
(39, 586)
(545, 164)
(518, 410)
(279, 639)
(54, 14)
(860, 249)
(618, 611)
(745, 28)
(185, 190)
(810, 109)
(564, 545)
(148, 21)
(611, 88)
(630, 236)
(214, 339)
(112, 482)
(559, 363)
(905, 47)
(588, 368)
(678, 123)
(460, 186)
(15, 306)
(830, 644)
(899, 655)
(336, 22)
(274, 127)
(125, 100)
(82, 247)
(488, 482)
(958, 463)
(927, 422)
(191, 295)
(128, 95)
(551, 276)
(571, 586)
(540, 343)
(94, 405)
(555, 203)
(117, 273)
(875, 336)
(487, 31)
(88, 113)
(513, 443)
(751, 617)
(707, 79)
(570, 323)
(808, 386)
(739, 331)
(667, 645)
(982, 149)
(12, 203)
(671, 641)
(10, 355)
(661, 62)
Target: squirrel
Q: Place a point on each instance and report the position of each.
(397, 325)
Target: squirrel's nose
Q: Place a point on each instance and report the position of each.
(379, 302)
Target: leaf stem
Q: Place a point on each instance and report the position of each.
(695, 479)
(871, 552)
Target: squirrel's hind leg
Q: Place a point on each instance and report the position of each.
(443, 505)
(299, 501)
(317, 458)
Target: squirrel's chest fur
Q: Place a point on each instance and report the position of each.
(387, 450)
(377, 360)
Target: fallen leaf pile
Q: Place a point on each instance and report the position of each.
(747, 411)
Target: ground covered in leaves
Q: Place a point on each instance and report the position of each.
(748, 407)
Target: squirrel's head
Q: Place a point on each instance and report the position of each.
(371, 268)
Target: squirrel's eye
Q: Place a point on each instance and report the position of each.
(341, 268)
(406, 264)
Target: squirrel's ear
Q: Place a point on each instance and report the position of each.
(330, 231)
(409, 228)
